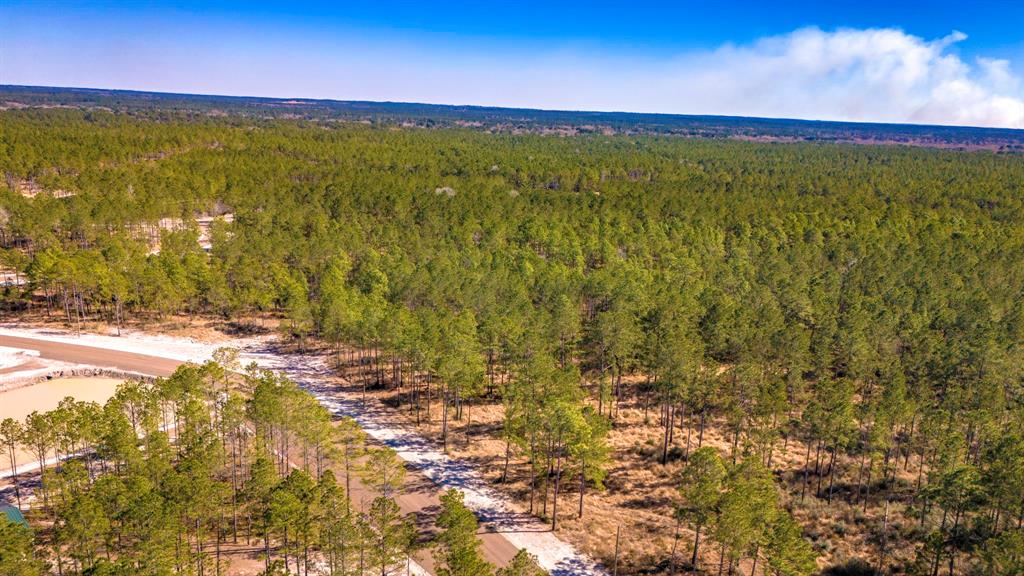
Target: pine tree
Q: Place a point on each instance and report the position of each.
(350, 442)
(391, 535)
(457, 549)
(17, 556)
(384, 471)
(786, 550)
(701, 487)
(256, 494)
(11, 434)
(522, 564)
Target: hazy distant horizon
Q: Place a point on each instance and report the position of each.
(509, 108)
(873, 62)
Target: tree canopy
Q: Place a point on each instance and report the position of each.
(861, 305)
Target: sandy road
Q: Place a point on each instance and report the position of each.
(504, 531)
(99, 357)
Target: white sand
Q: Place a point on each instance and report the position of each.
(184, 349)
(10, 357)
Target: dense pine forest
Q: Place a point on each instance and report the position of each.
(847, 321)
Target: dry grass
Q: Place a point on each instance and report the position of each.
(641, 493)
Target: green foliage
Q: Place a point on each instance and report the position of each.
(523, 564)
(457, 549)
(740, 504)
(1004, 554)
(17, 556)
(384, 471)
(701, 485)
(788, 552)
(150, 502)
(391, 535)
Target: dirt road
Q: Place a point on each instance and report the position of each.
(421, 496)
(99, 357)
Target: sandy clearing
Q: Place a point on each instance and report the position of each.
(14, 361)
(22, 370)
(12, 357)
(129, 355)
(21, 365)
(59, 352)
(44, 396)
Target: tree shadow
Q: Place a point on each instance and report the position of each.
(855, 567)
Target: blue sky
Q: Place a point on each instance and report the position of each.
(929, 62)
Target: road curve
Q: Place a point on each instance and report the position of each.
(92, 356)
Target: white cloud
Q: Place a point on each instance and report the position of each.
(870, 75)
(874, 75)
(879, 75)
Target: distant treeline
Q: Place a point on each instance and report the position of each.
(518, 119)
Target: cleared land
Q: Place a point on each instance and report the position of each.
(46, 395)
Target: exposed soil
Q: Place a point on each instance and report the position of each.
(45, 396)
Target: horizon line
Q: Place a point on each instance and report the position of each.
(287, 99)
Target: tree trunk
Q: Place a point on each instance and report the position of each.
(696, 546)
(14, 474)
(700, 434)
(832, 473)
(554, 501)
(444, 421)
(583, 482)
(807, 471)
(508, 452)
(669, 416)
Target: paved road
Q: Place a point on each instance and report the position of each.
(100, 357)
(421, 496)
